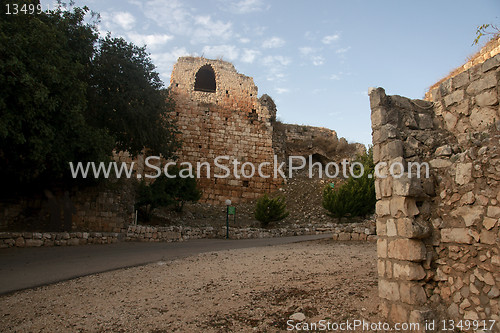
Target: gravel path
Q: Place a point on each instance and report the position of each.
(244, 290)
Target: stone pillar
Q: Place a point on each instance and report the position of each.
(400, 249)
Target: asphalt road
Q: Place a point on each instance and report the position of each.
(23, 268)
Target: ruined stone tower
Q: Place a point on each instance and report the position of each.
(219, 114)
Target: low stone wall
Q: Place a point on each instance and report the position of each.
(355, 231)
(107, 207)
(341, 232)
(36, 239)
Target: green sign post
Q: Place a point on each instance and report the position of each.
(230, 210)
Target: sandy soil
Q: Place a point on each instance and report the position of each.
(248, 290)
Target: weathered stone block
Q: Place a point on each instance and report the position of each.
(381, 267)
(407, 186)
(377, 97)
(406, 249)
(398, 313)
(460, 80)
(481, 118)
(412, 293)
(425, 121)
(487, 98)
(382, 207)
(388, 290)
(391, 150)
(344, 236)
(488, 237)
(445, 87)
(494, 292)
(444, 151)
(487, 81)
(376, 153)
(382, 248)
(409, 228)
(468, 198)
(33, 242)
(20, 242)
(439, 163)
(383, 187)
(379, 117)
(461, 108)
(391, 228)
(454, 97)
(403, 207)
(489, 223)
(408, 271)
(495, 260)
(493, 212)
(456, 235)
(470, 214)
(381, 228)
(383, 133)
(463, 173)
(450, 120)
(490, 64)
(73, 241)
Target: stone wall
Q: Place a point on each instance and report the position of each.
(438, 236)
(38, 239)
(322, 144)
(491, 49)
(108, 207)
(341, 232)
(229, 121)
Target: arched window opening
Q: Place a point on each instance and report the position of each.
(205, 79)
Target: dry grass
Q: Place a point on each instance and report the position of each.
(488, 47)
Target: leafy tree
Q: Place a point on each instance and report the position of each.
(69, 96)
(43, 61)
(126, 96)
(270, 209)
(356, 197)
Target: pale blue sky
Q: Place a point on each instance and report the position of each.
(317, 59)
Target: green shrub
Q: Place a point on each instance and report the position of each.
(165, 192)
(356, 197)
(270, 209)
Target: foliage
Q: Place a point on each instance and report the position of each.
(356, 197)
(165, 192)
(69, 96)
(43, 96)
(270, 209)
(485, 30)
(126, 96)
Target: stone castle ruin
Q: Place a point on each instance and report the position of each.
(219, 113)
(438, 237)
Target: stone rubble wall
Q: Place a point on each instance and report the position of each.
(300, 133)
(438, 237)
(228, 122)
(37, 239)
(103, 208)
(341, 232)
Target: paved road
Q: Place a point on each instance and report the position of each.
(22, 268)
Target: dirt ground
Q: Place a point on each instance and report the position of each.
(247, 290)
